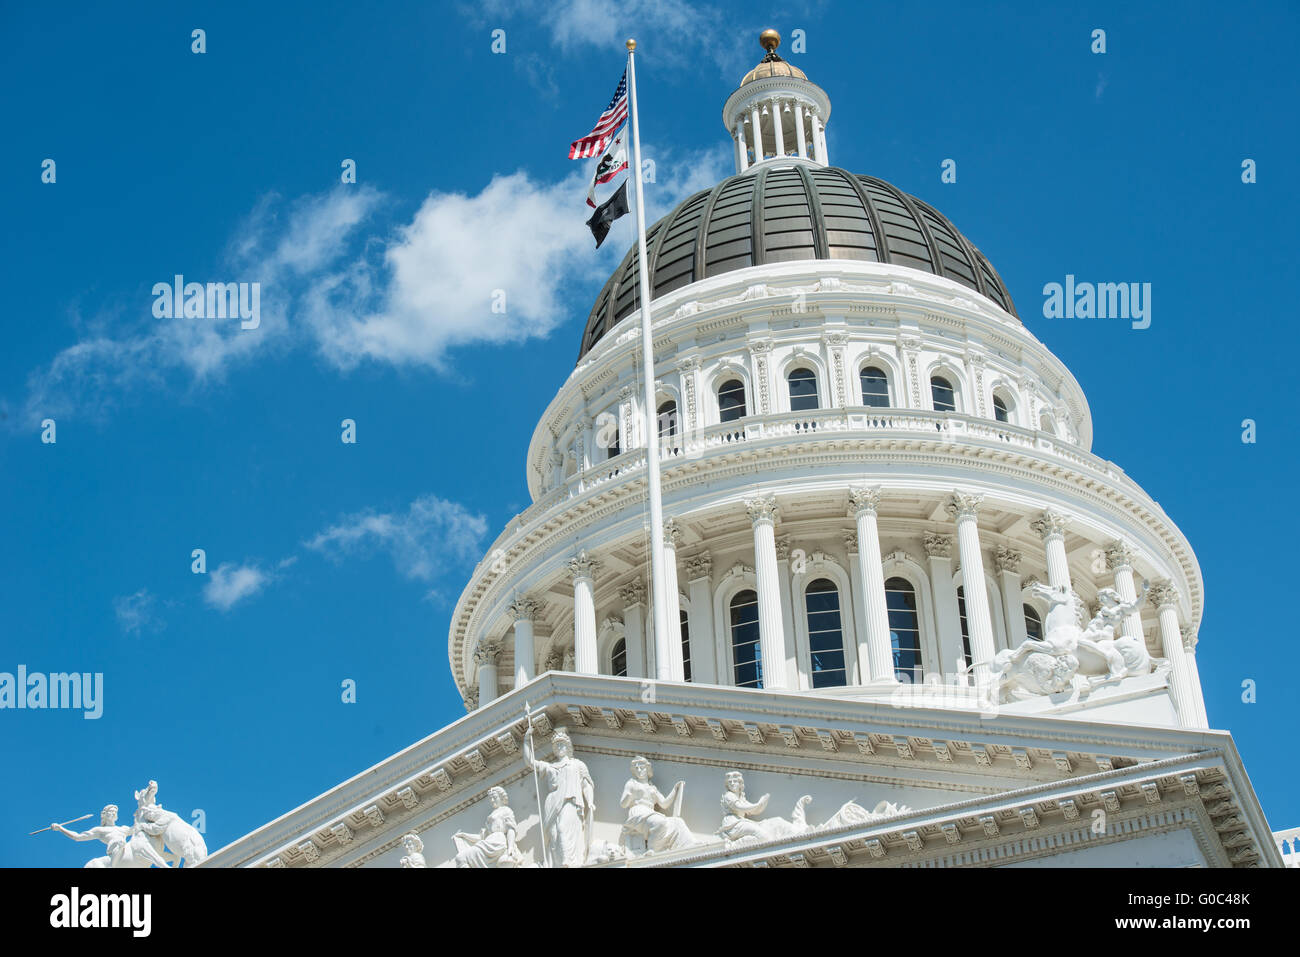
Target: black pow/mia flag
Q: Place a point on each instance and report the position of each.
(607, 212)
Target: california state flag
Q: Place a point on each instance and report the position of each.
(612, 162)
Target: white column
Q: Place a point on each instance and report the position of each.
(1051, 526)
(771, 631)
(938, 548)
(633, 596)
(1164, 596)
(777, 127)
(699, 571)
(979, 623)
(787, 615)
(860, 673)
(819, 139)
(1119, 559)
(801, 140)
(583, 568)
(1194, 676)
(486, 655)
(879, 657)
(744, 148)
(672, 599)
(757, 132)
(1007, 563)
(524, 611)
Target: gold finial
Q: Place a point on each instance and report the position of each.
(770, 40)
(631, 44)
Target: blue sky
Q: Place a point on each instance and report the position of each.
(329, 561)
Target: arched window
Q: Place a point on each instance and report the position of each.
(667, 419)
(942, 394)
(875, 388)
(965, 630)
(731, 400)
(825, 634)
(618, 659)
(904, 630)
(1000, 410)
(1033, 623)
(803, 390)
(747, 666)
(686, 646)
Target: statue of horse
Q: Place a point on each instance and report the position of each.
(175, 839)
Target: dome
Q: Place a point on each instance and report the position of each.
(773, 65)
(787, 213)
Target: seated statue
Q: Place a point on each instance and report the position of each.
(736, 812)
(494, 846)
(1125, 655)
(645, 818)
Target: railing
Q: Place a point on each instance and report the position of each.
(945, 427)
(1288, 845)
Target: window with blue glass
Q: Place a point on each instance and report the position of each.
(875, 387)
(747, 667)
(803, 390)
(904, 630)
(825, 634)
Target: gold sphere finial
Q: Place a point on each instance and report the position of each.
(631, 44)
(770, 40)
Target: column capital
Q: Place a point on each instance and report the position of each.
(525, 609)
(937, 546)
(850, 541)
(1120, 554)
(762, 509)
(672, 532)
(633, 593)
(863, 499)
(1050, 524)
(1006, 559)
(963, 504)
(471, 699)
(1163, 593)
(487, 653)
(782, 549)
(1189, 639)
(689, 364)
(699, 566)
(582, 566)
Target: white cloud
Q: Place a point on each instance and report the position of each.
(230, 584)
(432, 536)
(137, 613)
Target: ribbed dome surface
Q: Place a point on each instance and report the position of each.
(782, 214)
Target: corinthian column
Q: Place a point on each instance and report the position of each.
(938, 549)
(1194, 674)
(771, 631)
(1119, 559)
(777, 127)
(1051, 526)
(876, 654)
(1007, 563)
(1164, 596)
(744, 147)
(800, 137)
(486, 655)
(524, 612)
(963, 507)
(583, 568)
(672, 608)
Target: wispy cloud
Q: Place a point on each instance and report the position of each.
(230, 584)
(405, 297)
(138, 613)
(430, 537)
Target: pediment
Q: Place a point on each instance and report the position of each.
(968, 783)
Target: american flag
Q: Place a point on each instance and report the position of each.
(595, 142)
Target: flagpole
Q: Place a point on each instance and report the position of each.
(663, 668)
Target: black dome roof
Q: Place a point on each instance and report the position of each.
(789, 213)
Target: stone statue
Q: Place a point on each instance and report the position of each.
(1046, 666)
(736, 811)
(643, 802)
(126, 846)
(495, 845)
(175, 839)
(1124, 655)
(414, 850)
(568, 802)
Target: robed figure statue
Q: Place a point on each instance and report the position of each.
(568, 800)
